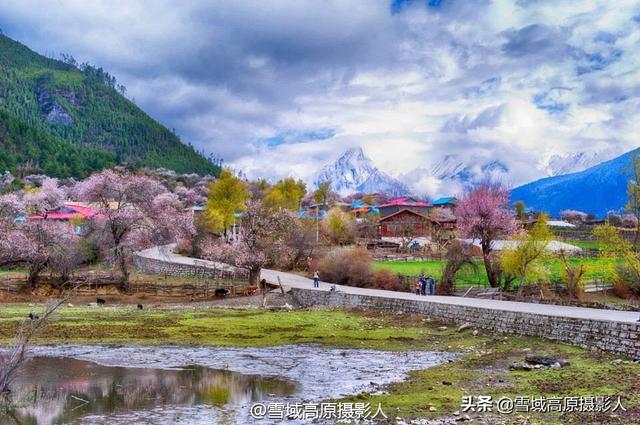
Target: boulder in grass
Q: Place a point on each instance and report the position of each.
(548, 361)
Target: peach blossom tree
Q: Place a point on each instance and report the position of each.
(483, 214)
(133, 212)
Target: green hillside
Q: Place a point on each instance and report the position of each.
(70, 120)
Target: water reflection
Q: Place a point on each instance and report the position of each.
(58, 390)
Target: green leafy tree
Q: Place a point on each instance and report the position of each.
(457, 259)
(227, 196)
(611, 244)
(339, 227)
(525, 260)
(322, 193)
(286, 194)
(573, 274)
(623, 262)
(520, 209)
(258, 189)
(633, 197)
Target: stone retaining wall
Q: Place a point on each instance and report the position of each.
(618, 337)
(171, 268)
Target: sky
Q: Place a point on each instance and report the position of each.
(279, 88)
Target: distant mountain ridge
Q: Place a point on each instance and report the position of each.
(79, 110)
(354, 172)
(597, 190)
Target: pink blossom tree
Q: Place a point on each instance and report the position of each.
(483, 214)
(261, 238)
(574, 216)
(44, 199)
(39, 244)
(132, 212)
(11, 206)
(189, 196)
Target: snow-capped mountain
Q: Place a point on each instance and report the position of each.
(451, 167)
(575, 162)
(354, 172)
(451, 175)
(596, 190)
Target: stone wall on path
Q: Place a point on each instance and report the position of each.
(176, 265)
(617, 337)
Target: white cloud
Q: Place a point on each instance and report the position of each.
(513, 81)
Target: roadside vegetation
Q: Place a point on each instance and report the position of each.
(597, 268)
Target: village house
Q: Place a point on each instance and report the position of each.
(361, 208)
(405, 203)
(412, 224)
(404, 223)
(447, 202)
(73, 213)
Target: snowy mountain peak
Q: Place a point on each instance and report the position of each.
(564, 164)
(354, 154)
(354, 172)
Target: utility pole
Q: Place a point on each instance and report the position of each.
(317, 224)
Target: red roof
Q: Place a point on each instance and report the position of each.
(406, 201)
(66, 212)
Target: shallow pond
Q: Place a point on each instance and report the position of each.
(185, 385)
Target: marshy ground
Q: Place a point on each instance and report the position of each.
(435, 392)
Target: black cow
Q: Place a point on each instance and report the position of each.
(101, 301)
(222, 292)
(140, 307)
(33, 316)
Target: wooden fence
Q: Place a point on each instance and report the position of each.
(161, 286)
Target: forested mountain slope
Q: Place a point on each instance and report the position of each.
(78, 109)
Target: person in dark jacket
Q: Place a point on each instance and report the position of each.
(423, 284)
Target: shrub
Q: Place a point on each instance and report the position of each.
(352, 266)
(622, 289)
(346, 266)
(339, 227)
(90, 251)
(184, 247)
(625, 285)
(388, 280)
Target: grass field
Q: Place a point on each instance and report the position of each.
(597, 268)
(585, 244)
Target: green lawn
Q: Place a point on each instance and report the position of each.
(15, 270)
(597, 268)
(585, 244)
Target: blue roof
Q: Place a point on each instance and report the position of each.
(444, 201)
(312, 214)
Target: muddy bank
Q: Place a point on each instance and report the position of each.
(320, 373)
(316, 374)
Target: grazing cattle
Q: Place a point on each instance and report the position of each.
(221, 292)
(101, 301)
(140, 307)
(33, 316)
(249, 290)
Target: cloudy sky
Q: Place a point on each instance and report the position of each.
(281, 87)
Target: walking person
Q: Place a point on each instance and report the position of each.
(418, 287)
(432, 285)
(316, 279)
(423, 284)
